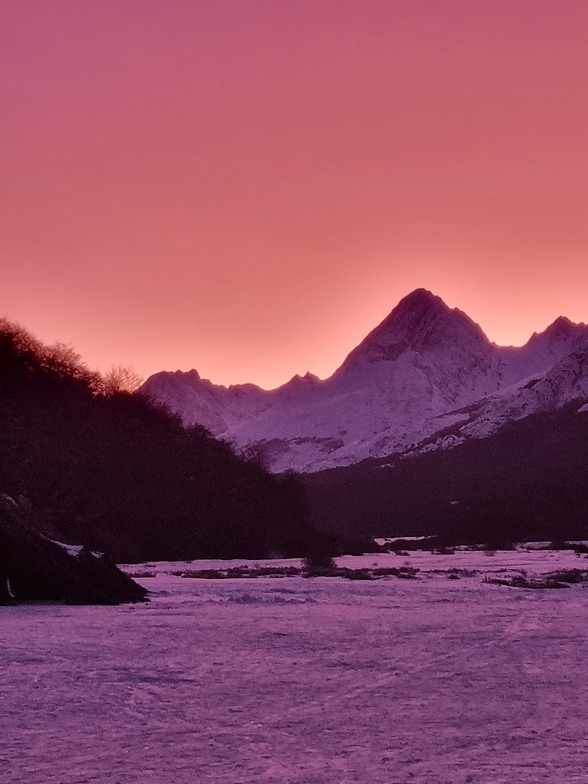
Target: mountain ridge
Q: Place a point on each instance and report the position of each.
(413, 375)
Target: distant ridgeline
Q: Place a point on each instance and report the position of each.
(108, 469)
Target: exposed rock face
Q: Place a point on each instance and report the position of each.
(34, 567)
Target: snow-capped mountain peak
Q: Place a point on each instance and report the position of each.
(561, 331)
(422, 323)
(425, 369)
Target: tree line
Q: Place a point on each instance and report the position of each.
(112, 470)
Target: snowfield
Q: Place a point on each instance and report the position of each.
(309, 681)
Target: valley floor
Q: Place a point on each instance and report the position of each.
(304, 681)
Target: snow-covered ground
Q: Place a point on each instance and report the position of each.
(309, 681)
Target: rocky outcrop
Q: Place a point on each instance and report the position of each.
(34, 567)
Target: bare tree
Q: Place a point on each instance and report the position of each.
(120, 379)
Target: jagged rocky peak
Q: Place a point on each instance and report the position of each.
(557, 340)
(422, 318)
(421, 322)
(420, 300)
(563, 329)
(561, 326)
(307, 379)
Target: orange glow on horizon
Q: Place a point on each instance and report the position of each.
(248, 189)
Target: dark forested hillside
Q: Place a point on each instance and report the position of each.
(528, 481)
(107, 468)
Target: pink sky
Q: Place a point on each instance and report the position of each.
(248, 187)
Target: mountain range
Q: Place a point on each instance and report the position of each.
(427, 378)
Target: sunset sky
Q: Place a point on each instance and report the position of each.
(248, 187)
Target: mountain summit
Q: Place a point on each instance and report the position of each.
(421, 322)
(426, 377)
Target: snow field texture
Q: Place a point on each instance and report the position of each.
(305, 681)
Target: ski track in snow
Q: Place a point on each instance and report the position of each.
(319, 681)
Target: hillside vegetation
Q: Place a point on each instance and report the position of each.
(107, 468)
(528, 481)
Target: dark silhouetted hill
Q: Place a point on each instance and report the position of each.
(110, 470)
(528, 481)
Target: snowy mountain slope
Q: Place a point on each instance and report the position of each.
(424, 369)
(566, 382)
(199, 401)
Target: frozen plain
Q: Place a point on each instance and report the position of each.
(304, 681)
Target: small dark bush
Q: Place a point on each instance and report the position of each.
(569, 576)
(521, 581)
